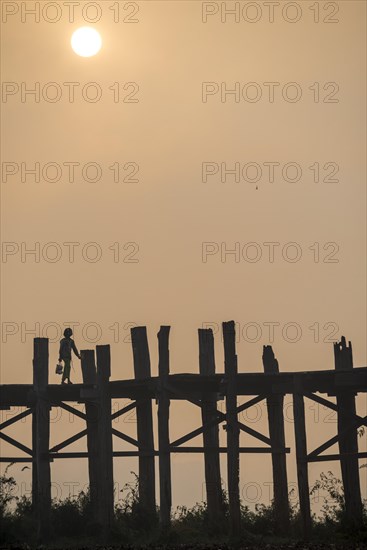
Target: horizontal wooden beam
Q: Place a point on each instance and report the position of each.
(224, 450)
(15, 459)
(325, 458)
(185, 385)
(260, 450)
(82, 454)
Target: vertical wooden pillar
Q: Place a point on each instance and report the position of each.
(91, 411)
(302, 465)
(144, 422)
(277, 437)
(105, 461)
(34, 459)
(233, 432)
(165, 489)
(41, 493)
(348, 441)
(211, 433)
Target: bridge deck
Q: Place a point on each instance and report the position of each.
(191, 386)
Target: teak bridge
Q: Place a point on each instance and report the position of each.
(203, 390)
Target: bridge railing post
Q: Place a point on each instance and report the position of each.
(348, 438)
(233, 431)
(105, 461)
(165, 489)
(91, 411)
(276, 433)
(144, 422)
(41, 476)
(214, 496)
(302, 464)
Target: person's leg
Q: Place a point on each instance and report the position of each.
(63, 374)
(66, 373)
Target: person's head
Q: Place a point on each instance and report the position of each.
(68, 332)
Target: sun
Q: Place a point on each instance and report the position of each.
(86, 42)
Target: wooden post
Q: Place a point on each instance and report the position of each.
(91, 410)
(233, 431)
(302, 466)
(105, 461)
(348, 441)
(144, 422)
(163, 430)
(277, 437)
(213, 484)
(41, 440)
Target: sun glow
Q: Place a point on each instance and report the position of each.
(86, 42)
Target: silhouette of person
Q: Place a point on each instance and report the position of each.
(66, 345)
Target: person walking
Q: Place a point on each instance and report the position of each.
(66, 345)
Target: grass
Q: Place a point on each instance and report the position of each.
(72, 524)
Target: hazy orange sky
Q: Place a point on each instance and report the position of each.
(177, 82)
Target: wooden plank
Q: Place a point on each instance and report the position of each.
(105, 509)
(124, 410)
(165, 486)
(34, 462)
(189, 385)
(213, 485)
(83, 454)
(302, 468)
(254, 433)
(259, 450)
(277, 437)
(324, 458)
(347, 428)
(332, 406)
(11, 421)
(16, 443)
(88, 366)
(348, 438)
(125, 437)
(233, 432)
(15, 459)
(89, 374)
(41, 493)
(144, 422)
(220, 417)
(68, 441)
(70, 409)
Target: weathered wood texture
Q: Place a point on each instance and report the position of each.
(202, 390)
(348, 438)
(232, 427)
(92, 410)
(301, 457)
(214, 495)
(41, 491)
(105, 459)
(144, 422)
(192, 385)
(276, 432)
(165, 489)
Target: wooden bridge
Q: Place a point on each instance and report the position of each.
(203, 390)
